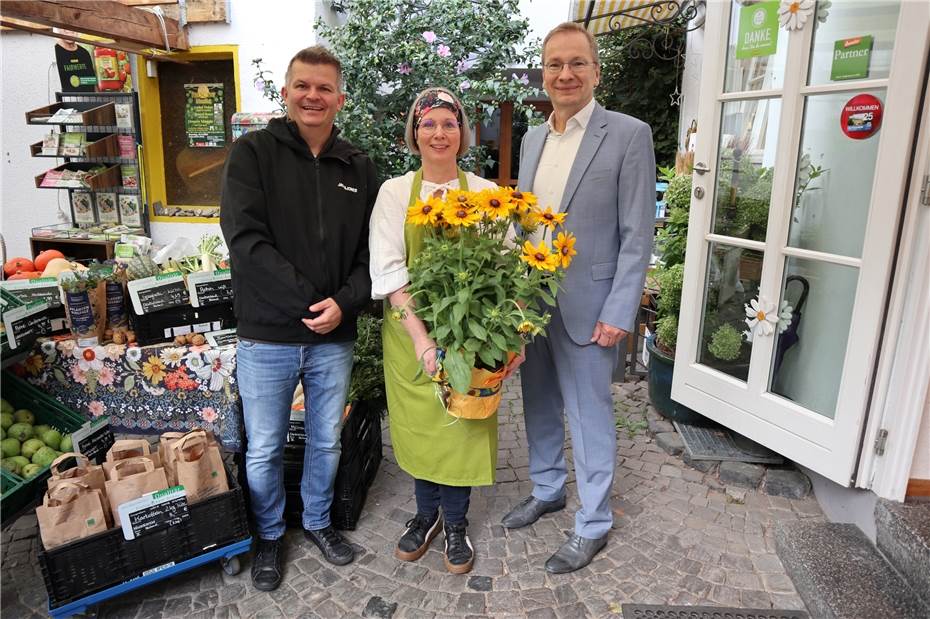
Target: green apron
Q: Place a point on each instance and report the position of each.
(428, 443)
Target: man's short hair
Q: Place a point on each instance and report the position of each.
(315, 54)
(570, 26)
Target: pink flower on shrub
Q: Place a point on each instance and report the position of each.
(465, 85)
(208, 414)
(404, 69)
(429, 36)
(96, 408)
(444, 51)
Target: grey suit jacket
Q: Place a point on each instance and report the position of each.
(610, 204)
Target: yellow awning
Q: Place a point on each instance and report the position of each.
(605, 18)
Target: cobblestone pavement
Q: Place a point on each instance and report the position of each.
(679, 538)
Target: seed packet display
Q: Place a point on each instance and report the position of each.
(130, 175)
(123, 114)
(82, 207)
(130, 211)
(107, 208)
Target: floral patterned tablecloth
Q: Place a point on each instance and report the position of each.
(144, 390)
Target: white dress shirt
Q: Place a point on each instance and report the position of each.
(388, 264)
(556, 161)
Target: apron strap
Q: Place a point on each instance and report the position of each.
(417, 186)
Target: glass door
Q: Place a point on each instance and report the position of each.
(806, 121)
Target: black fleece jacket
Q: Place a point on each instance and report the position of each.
(297, 231)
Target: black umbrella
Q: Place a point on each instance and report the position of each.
(789, 337)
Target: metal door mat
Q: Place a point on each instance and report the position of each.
(718, 443)
(661, 611)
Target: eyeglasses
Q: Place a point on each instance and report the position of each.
(429, 127)
(575, 66)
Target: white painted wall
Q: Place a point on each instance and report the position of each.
(29, 81)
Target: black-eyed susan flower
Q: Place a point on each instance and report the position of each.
(495, 203)
(522, 200)
(425, 213)
(539, 256)
(460, 214)
(459, 197)
(564, 246)
(549, 218)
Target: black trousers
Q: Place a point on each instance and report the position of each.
(453, 499)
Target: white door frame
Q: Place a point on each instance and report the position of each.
(902, 385)
(828, 447)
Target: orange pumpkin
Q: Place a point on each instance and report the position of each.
(25, 275)
(44, 257)
(13, 265)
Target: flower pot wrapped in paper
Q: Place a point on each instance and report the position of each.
(480, 284)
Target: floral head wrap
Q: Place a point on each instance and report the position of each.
(433, 99)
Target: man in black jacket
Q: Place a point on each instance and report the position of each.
(296, 201)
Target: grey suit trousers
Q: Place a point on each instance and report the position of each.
(582, 389)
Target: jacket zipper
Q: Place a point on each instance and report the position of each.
(319, 214)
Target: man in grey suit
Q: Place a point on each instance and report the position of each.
(599, 168)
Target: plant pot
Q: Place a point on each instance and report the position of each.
(661, 368)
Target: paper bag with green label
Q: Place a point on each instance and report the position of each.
(166, 441)
(130, 479)
(70, 511)
(82, 471)
(129, 448)
(199, 466)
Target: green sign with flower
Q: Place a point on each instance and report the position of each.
(758, 30)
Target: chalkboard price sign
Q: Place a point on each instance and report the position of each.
(38, 289)
(157, 293)
(24, 324)
(210, 288)
(296, 430)
(94, 439)
(221, 339)
(154, 512)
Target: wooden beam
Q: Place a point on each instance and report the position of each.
(18, 24)
(103, 18)
(198, 11)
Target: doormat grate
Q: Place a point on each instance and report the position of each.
(718, 443)
(661, 611)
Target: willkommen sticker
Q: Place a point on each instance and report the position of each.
(861, 117)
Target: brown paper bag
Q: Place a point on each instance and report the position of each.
(130, 479)
(84, 472)
(165, 441)
(129, 448)
(70, 511)
(199, 466)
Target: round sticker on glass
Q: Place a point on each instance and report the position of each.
(861, 117)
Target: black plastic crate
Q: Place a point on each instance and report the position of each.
(89, 565)
(164, 325)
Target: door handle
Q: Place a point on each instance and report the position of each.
(701, 168)
(698, 192)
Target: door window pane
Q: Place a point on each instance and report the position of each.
(762, 72)
(733, 275)
(490, 136)
(808, 362)
(833, 184)
(841, 49)
(745, 168)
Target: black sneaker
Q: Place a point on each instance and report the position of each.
(334, 548)
(266, 565)
(416, 539)
(460, 555)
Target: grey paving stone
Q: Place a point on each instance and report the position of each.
(379, 608)
(670, 442)
(705, 466)
(741, 473)
(660, 426)
(788, 483)
(471, 603)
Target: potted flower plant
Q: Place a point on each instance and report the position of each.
(478, 288)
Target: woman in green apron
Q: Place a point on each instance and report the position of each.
(445, 456)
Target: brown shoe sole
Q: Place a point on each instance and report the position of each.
(459, 569)
(419, 552)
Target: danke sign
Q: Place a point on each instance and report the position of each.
(758, 30)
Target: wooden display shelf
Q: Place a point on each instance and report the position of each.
(74, 249)
(107, 146)
(108, 179)
(92, 113)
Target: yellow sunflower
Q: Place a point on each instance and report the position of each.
(539, 257)
(425, 213)
(154, 369)
(459, 197)
(495, 203)
(564, 246)
(460, 214)
(521, 200)
(549, 218)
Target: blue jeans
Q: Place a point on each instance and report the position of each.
(267, 375)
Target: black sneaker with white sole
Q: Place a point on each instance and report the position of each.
(417, 536)
(460, 555)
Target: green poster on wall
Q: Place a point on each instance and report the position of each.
(851, 58)
(203, 115)
(758, 30)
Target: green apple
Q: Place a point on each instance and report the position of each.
(11, 465)
(6, 407)
(10, 447)
(40, 429)
(6, 420)
(44, 456)
(22, 461)
(24, 415)
(66, 444)
(52, 438)
(20, 431)
(30, 447)
(30, 470)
